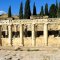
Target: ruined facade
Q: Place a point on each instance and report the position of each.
(30, 32)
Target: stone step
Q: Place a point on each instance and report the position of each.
(36, 48)
(46, 48)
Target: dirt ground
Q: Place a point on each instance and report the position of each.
(43, 53)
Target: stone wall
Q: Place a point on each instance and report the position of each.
(52, 41)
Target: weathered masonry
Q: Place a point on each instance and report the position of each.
(32, 32)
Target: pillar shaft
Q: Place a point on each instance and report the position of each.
(10, 37)
(0, 31)
(33, 35)
(21, 34)
(15, 28)
(6, 32)
(0, 36)
(46, 34)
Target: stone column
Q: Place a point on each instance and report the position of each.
(21, 35)
(33, 35)
(15, 28)
(10, 35)
(0, 36)
(6, 32)
(46, 34)
(15, 31)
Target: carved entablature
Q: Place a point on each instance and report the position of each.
(31, 21)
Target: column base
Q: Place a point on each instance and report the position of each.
(9, 45)
(46, 44)
(33, 45)
(21, 44)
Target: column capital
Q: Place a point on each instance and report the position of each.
(10, 25)
(21, 24)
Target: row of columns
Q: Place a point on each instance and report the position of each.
(33, 34)
(21, 34)
(45, 34)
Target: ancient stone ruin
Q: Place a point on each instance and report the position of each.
(30, 32)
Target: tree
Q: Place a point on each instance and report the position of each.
(56, 4)
(21, 11)
(27, 12)
(52, 11)
(9, 12)
(42, 11)
(56, 8)
(59, 5)
(58, 12)
(46, 9)
(34, 9)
